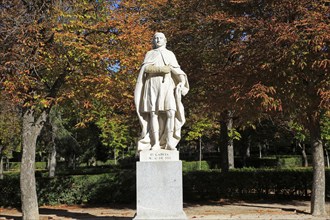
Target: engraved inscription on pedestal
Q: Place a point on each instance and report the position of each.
(159, 155)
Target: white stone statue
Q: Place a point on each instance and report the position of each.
(157, 96)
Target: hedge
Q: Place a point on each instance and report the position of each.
(10, 194)
(116, 187)
(247, 183)
(119, 186)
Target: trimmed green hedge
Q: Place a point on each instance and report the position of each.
(244, 183)
(120, 186)
(116, 187)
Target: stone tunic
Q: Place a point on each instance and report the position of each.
(158, 91)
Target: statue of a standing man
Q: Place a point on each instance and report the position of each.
(159, 87)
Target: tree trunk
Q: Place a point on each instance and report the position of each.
(52, 161)
(260, 150)
(30, 132)
(1, 167)
(231, 154)
(327, 155)
(1, 163)
(247, 150)
(304, 155)
(226, 143)
(318, 188)
(115, 155)
(7, 164)
(200, 153)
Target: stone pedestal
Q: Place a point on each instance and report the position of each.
(159, 186)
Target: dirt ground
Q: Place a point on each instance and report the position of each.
(224, 209)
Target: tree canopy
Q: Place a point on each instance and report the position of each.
(256, 59)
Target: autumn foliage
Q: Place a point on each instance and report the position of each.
(257, 59)
(65, 52)
(253, 58)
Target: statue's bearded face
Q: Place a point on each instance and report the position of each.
(159, 40)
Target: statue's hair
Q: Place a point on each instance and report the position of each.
(153, 38)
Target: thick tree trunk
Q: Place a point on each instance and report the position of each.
(318, 188)
(31, 130)
(226, 143)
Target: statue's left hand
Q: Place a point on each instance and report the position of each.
(182, 88)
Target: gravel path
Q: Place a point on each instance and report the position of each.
(224, 209)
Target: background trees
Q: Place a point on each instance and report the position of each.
(256, 59)
(55, 51)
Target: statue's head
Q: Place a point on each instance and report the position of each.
(159, 40)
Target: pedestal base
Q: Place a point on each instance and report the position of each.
(159, 190)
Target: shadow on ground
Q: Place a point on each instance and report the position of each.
(60, 213)
(261, 204)
(77, 215)
(9, 217)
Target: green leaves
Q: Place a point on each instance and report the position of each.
(298, 130)
(325, 127)
(114, 133)
(233, 134)
(198, 129)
